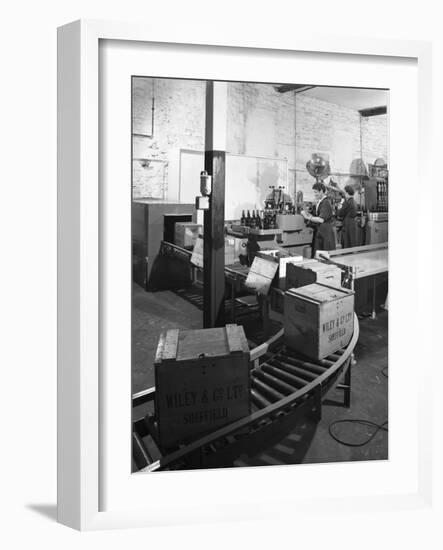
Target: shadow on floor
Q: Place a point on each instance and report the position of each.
(48, 511)
(283, 448)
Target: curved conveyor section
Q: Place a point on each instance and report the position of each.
(284, 387)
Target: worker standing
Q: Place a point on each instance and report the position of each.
(348, 213)
(322, 220)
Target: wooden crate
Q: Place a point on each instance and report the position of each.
(233, 248)
(318, 319)
(186, 234)
(282, 258)
(202, 382)
(232, 251)
(261, 275)
(312, 271)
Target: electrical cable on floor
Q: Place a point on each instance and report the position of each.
(368, 423)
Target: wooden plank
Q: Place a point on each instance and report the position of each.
(236, 339)
(142, 397)
(357, 249)
(196, 343)
(167, 346)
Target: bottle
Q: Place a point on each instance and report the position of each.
(243, 218)
(248, 219)
(258, 223)
(253, 219)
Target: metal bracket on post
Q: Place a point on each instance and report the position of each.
(202, 203)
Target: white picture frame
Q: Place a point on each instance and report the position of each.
(82, 397)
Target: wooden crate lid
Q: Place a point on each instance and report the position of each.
(317, 266)
(319, 293)
(305, 263)
(167, 345)
(182, 345)
(261, 274)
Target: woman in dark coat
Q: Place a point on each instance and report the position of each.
(348, 213)
(322, 221)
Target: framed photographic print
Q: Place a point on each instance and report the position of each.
(228, 217)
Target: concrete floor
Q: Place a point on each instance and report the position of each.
(309, 442)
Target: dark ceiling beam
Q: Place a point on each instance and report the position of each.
(373, 111)
(297, 88)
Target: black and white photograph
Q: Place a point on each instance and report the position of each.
(221, 294)
(260, 274)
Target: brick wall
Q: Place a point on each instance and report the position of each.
(178, 122)
(338, 133)
(261, 122)
(332, 131)
(374, 132)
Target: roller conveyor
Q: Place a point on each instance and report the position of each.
(285, 389)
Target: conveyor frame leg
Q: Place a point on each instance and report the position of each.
(316, 411)
(346, 385)
(233, 293)
(374, 293)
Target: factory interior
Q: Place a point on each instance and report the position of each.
(259, 274)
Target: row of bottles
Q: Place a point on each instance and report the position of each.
(253, 221)
(382, 196)
(260, 219)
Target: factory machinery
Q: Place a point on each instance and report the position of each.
(280, 223)
(285, 388)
